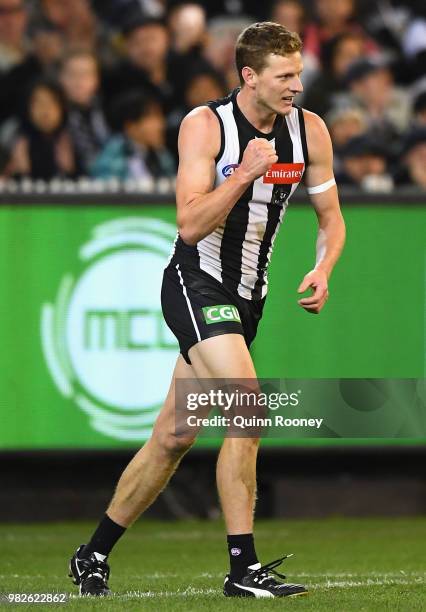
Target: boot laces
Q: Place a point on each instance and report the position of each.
(262, 574)
(96, 569)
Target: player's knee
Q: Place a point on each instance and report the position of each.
(173, 445)
(243, 446)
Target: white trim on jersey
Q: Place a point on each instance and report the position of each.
(191, 312)
(231, 149)
(173, 249)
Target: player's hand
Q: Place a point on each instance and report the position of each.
(258, 158)
(318, 282)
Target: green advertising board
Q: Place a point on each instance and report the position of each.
(86, 357)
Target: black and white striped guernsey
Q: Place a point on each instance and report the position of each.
(238, 252)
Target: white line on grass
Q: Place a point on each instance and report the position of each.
(151, 594)
(343, 584)
(215, 575)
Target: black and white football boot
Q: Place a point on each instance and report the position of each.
(258, 582)
(91, 574)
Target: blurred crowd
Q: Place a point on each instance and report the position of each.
(99, 88)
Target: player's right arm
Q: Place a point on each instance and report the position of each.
(201, 208)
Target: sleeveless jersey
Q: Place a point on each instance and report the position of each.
(237, 253)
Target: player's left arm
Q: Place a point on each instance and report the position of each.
(319, 179)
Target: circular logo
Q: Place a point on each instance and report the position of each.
(105, 342)
(229, 169)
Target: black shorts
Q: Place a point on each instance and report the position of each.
(196, 306)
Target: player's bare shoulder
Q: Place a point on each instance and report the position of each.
(199, 144)
(200, 132)
(317, 135)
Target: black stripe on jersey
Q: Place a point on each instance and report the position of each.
(303, 135)
(231, 249)
(222, 133)
(280, 193)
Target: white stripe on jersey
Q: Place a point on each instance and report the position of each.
(232, 142)
(294, 129)
(256, 227)
(209, 247)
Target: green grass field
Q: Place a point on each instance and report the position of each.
(348, 564)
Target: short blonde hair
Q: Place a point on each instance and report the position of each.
(257, 41)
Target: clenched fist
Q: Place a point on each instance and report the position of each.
(258, 158)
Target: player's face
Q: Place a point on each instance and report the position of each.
(279, 82)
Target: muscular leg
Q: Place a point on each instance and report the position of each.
(151, 468)
(227, 357)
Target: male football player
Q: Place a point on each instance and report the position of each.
(240, 160)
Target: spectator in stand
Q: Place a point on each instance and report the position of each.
(419, 109)
(79, 27)
(413, 159)
(43, 149)
(115, 13)
(337, 55)
(42, 61)
(148, 65)
(75, 20)
(188, 34)
(187, 26)
(258, 11)
(372, 89)
(364, 165)
(165, 51)
(140, 151)
(4, 160)
(220, 50)
(414, 43)
(402, 28)
(13, 25)
(201, 87)
(333, 17)
(47, 46)
(344, 125)
(291, 14)
(86, 122)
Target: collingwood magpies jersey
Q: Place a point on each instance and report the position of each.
(237, 253)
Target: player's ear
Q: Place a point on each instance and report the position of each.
(249, 76)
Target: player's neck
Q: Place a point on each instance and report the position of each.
(260, 117)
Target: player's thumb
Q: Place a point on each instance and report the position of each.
(304, 285)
